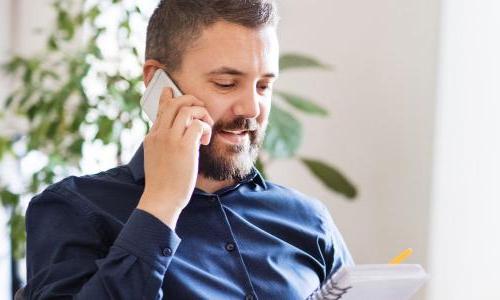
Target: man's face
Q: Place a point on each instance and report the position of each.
(232, 68)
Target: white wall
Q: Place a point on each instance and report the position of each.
(5, 42)
(5, 37)
(465, 244)
(382, 101)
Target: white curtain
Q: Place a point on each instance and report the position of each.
(465, 241)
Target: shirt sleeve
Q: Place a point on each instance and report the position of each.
(68, 256)
(337, 253)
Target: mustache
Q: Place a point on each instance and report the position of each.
(237, 124)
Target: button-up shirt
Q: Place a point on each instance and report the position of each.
(253, 240)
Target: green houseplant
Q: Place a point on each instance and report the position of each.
(54, 98)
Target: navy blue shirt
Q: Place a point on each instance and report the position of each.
(254, 240)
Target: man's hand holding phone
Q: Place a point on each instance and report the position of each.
(171, 151)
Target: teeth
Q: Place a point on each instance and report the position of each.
(234, 132)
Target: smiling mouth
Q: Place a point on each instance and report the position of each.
(234, 136)
(238, 132)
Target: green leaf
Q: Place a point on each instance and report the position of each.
(78, 117)
(331, 177)
(8, 198)
(4, 147)
(105, 130)
(135, 51)
(79, 19)
(49, 74)
(14, 64)
(52, 128)
(9, 101)
(35, 183)
(77, 146)
(47, 173)
(17, 234)
(25, 96)
(125, 25)
(65, 24)
(95, 50)
(52, 43)
(30, 113)
(302, 104)
(93, 13)
(284, 134)
(295, 60)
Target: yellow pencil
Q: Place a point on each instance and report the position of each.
(401, 257)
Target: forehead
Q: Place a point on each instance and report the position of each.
(226, 44)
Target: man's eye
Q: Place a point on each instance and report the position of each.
(224, 86)
(265, 87)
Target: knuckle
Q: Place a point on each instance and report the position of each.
(164, 97)
(197, 123)
(185, 110)
(191, 98)
(204, 110)
(199, 126)
(156, 135)
(163, 104)
(167, 105)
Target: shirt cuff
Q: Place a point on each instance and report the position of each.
(148, 238)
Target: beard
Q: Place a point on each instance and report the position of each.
(222, 161)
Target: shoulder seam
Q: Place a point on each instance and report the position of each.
(56, 191)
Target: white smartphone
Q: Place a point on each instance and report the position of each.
(151, 97)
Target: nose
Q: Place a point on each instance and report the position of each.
(249, 105)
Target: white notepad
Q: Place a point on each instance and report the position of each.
(373, 282)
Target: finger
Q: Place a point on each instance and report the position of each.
(171, 108)
(198, 133)
(165, 97)
(186, 116)
(157, 121)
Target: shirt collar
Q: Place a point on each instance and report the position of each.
(136, 166)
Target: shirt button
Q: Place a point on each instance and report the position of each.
(230, 247)
(249, 297)
(212, 200)
(167, 251)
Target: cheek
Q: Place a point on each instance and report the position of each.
(265, 108)
(220, 108)
(216, 109)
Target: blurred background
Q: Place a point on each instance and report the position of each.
(412, 91)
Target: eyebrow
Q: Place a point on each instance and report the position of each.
(232, 71)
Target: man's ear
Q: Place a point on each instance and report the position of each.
(149, 69)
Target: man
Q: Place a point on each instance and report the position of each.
(189, 217)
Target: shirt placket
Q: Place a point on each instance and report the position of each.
(232, 248)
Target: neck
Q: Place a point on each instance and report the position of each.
(210, 185)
